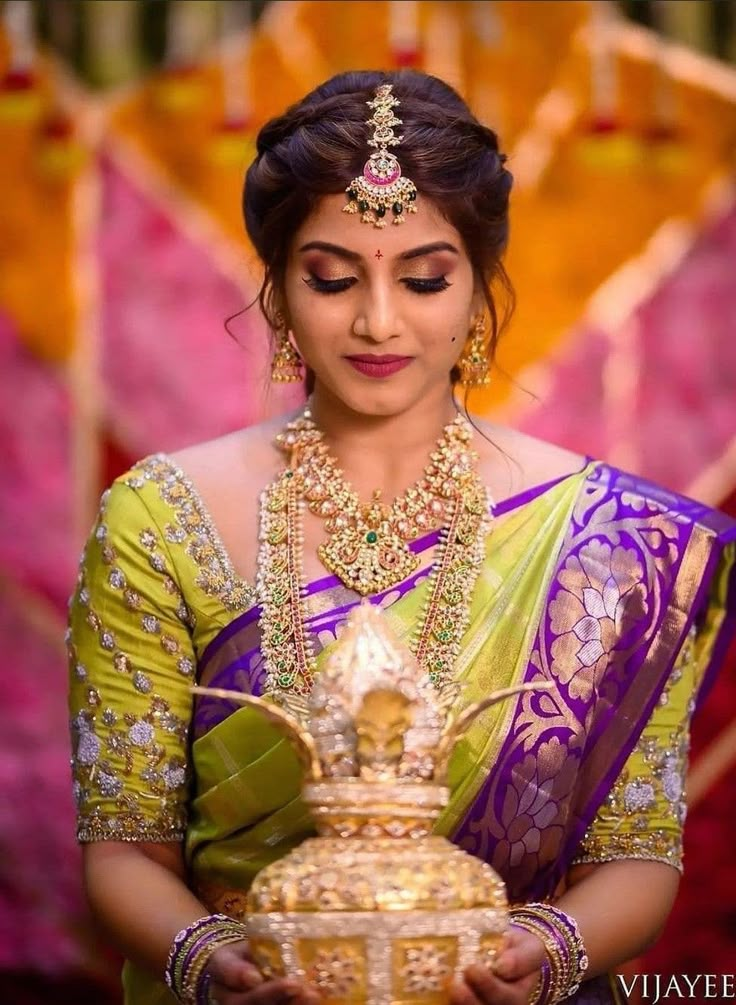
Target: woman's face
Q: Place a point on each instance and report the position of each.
(380, 316)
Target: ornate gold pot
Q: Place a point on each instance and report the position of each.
(375, 910)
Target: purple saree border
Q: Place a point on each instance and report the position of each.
(473, 832)
(421, 544)
(726, 534)
(608, 780)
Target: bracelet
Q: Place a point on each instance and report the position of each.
(551, 985)
(541, 991)
(190, 953)
(567, 960)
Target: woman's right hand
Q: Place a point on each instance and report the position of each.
(236, 980)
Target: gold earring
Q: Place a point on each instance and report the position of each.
(474, 364)
(286, 365)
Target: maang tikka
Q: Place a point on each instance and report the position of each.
(382, 187)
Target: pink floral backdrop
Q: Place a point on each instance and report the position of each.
(119, 264)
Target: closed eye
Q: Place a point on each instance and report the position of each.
(330, 285)
(435, 285)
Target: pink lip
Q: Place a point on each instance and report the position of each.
(378, 366)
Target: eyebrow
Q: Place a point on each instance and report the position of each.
(353, 256)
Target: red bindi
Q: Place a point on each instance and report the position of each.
(378, 254)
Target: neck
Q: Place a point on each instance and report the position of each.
(382, 451)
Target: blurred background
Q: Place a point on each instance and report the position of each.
(125, 129)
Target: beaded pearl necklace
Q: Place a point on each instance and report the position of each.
(368, 548)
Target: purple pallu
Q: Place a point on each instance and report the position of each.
(637, 560)
(638, 568)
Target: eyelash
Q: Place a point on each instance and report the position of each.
(435, 285)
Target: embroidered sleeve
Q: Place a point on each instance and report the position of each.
(131, 660)
(644, 813)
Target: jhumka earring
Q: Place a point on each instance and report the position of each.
(286, 365)
(382, 187)
(474, 364)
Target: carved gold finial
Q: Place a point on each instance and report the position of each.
(374, 696)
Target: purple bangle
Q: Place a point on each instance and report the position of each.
(544, 983)
(203, 990)
(176, 947)
(185, 947)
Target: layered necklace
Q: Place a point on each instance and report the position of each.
(368, 547)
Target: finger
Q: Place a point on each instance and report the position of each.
(306, 997)
(511, 964)
(489, 988)
(278, 992)
(523, 954)
(235, 972)
(462, 994)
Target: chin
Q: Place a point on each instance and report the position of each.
(379, 398)
(378, 401)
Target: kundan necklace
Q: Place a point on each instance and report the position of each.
(368, 547)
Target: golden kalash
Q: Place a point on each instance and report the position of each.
(375, 910)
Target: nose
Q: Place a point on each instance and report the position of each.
(377, 319)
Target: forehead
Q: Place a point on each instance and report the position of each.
(328, 222)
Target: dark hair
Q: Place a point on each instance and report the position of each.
(320, 144)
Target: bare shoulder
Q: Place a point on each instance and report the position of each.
(215, 464)
(514, 461)
(229, 474)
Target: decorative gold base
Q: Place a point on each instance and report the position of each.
(376, 922)
(376, 910)
(368, 958)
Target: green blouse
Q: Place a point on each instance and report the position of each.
(156, 586)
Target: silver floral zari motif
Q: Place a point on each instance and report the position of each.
(376, 909)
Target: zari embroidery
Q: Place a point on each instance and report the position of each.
(625, 825)
(656, 846)
(195, 530)
(129, 780)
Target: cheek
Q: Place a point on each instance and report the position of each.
(454, 332)
(315, 317)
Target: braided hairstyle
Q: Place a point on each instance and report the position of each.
(320, 144)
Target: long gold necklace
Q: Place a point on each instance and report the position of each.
(368, 548)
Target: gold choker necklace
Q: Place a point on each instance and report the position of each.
(368, 548)
(368, 545)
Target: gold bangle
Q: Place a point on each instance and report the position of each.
(567, 929)
(225, 937)
(554, 956)
(563, 942)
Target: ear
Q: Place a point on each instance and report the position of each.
(277, 305)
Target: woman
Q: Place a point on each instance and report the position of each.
(613, 588)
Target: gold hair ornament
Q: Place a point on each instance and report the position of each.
(382, 187)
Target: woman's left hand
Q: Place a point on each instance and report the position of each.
(513, 977)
